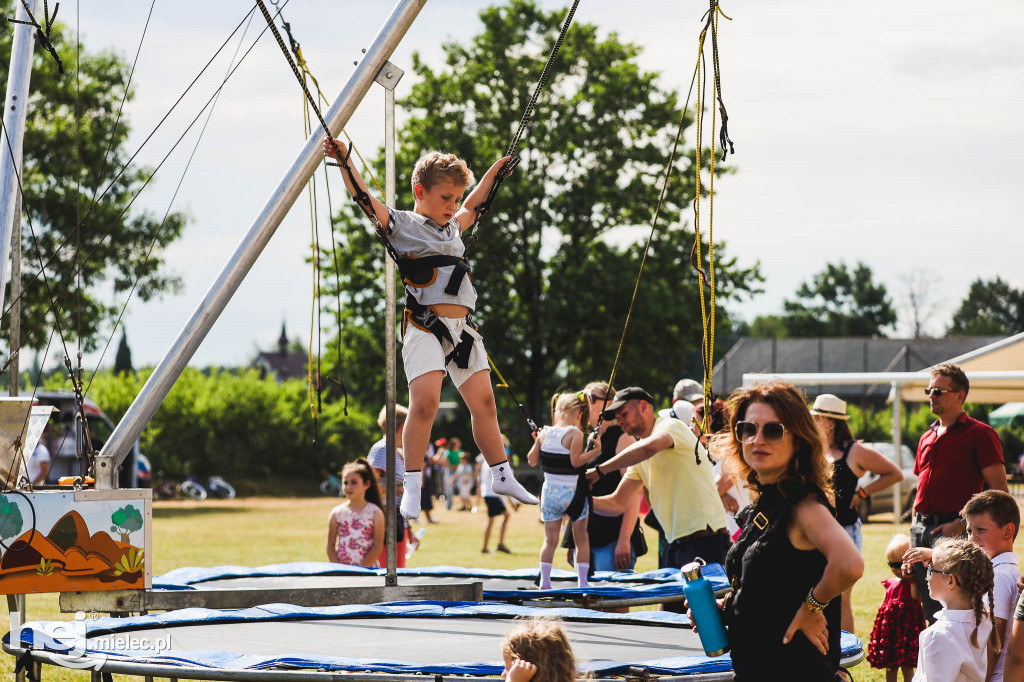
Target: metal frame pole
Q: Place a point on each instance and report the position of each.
(388, 77)
(252, 244)
(15, 113)
(897, 444)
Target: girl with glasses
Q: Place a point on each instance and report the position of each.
(792, 559)
(900, 618)
(954, 647)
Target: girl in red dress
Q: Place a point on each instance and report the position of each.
(900, 618)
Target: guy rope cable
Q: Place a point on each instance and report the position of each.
(484, 207)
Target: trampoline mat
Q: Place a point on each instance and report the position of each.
(490, 584)
(420, 641)
(398, 638)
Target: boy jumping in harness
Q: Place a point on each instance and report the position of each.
(437, 335)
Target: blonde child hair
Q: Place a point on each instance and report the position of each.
(897, 547)
(972, 568)
(543, 642)
(435, 167)
(567, 404)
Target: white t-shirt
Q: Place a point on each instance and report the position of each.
(1005, 593)
(40, 456)
(946, 654)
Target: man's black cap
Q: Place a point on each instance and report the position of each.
(624, 396)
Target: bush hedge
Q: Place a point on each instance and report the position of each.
(233, 423)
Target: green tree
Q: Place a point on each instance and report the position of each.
(123, 359)
(554, 282)
(990, 308)
(126, 521)
(11, 521)
(114, 246)
(839, 301)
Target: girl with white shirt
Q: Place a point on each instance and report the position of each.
(953, 649)
(559, 451)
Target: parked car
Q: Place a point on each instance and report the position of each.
(881, 501)
(134, 471)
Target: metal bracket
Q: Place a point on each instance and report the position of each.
(389, 75)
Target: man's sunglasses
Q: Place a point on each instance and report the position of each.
(939, 392)
(773, 432)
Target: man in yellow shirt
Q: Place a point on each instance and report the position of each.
(677, 473)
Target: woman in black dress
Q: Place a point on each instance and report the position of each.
(793, 559)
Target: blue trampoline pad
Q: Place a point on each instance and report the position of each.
(287, 642)
(500, 585)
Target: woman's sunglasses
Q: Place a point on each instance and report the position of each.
(773, 432)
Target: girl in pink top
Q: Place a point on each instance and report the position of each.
(355, 528)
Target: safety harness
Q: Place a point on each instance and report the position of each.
(422, 272)
(558, 463)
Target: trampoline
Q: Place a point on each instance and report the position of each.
(399, 641)
(612, 589)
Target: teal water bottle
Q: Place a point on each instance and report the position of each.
(700, 597)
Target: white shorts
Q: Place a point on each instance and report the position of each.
(422, 352)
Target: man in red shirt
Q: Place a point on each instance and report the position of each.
(956, 458)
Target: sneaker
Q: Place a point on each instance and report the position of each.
(503, 549)
(487, 551)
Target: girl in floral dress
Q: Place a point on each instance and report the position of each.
(355, 528)
(900, 619)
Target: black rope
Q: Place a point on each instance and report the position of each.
(43, 34)
(145, 184)
(127, 164)
(484, 208)
(359, 194)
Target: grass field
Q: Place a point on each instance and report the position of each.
(258, 531)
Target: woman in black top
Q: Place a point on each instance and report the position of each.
(850, 461)
(792, 558)
(610, 547)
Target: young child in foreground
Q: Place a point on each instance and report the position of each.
(992, 519)
(355, 528)
(437, 337)
(953, 649)
(538, 651)
(559, 451)
(900, 618)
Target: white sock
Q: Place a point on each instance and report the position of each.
(503, 482)
(545, 575)
(410, 506)
(581, 571)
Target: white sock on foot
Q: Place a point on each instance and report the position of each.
(581, 572)
(410, 506)
(503, 482)
(545, 575)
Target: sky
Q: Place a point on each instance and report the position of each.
(887, 133)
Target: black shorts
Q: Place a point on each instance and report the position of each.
(495, 506)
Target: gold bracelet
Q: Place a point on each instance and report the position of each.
(813, 605)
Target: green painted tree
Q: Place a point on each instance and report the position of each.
(990, 308)
(839, 301)
(11, 521)
(126, 521)
(556, 262)
(118, 244)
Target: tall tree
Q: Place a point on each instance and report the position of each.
(920, 300)
(554, 278)
(839, 301)
(74, 148)
(123, 359)
(992, 307)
